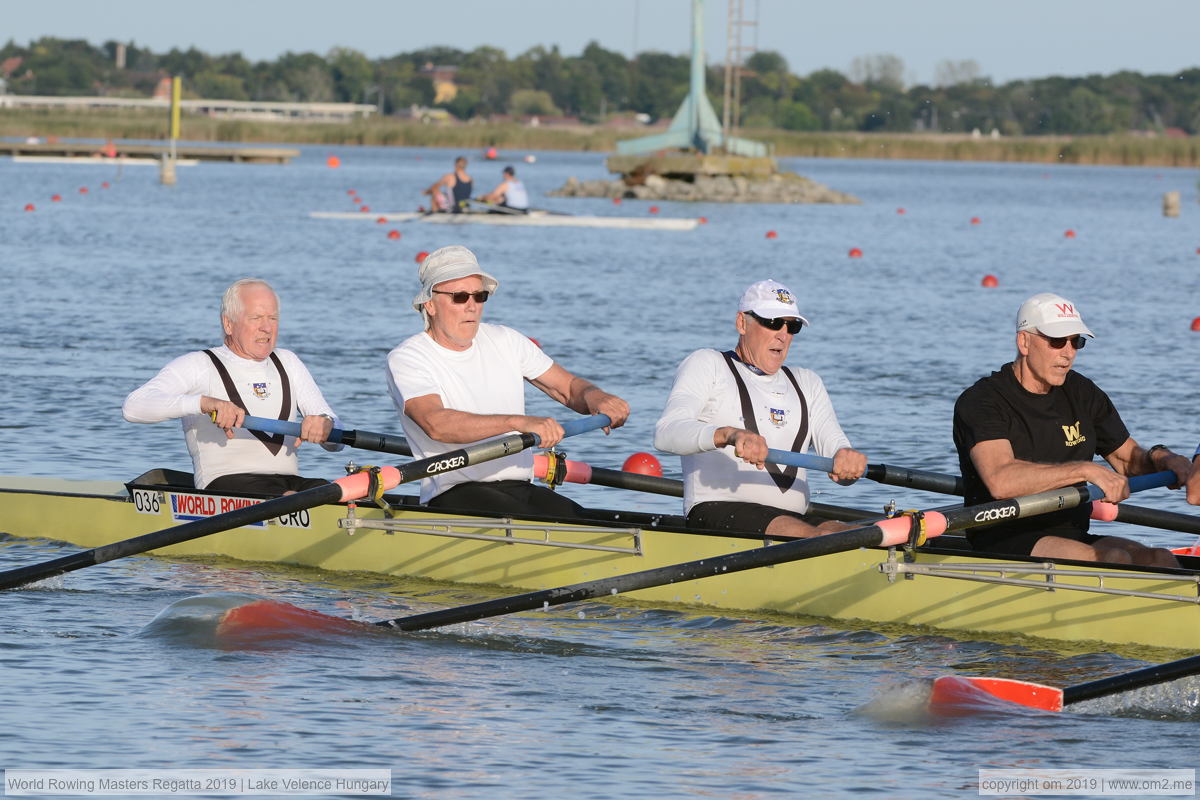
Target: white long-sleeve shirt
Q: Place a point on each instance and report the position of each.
(705, 397)
(175, 393)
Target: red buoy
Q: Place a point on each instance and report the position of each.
(616, 201)
(491, 154)
(772, 235)
(393, 234)
(989, 282)
(1196, 324)
(29, 207)
(421, 256)
(56, 198)
(351, 192)
(975, 220)
(704, 221)
(104, 184)
(365, 209)
(83, 190)
(380, 220)
(855, 252)
(643, 464)
(653, 209)
(1069, 234)
(901, 211)
(333, 162)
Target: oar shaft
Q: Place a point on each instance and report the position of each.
(365, 440)
(1159, 673)
(881, 473)
(888, 532)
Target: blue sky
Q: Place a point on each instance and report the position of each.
(1009, 39)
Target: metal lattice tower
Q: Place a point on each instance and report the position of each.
(735, 59)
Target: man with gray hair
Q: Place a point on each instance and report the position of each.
(461, 381)
(212, 391)
(1036, 425)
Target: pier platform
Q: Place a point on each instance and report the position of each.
(238, 155)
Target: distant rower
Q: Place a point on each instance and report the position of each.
(510, 193)
(451, 191)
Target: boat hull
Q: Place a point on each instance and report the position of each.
(865, 585)
(535, 219)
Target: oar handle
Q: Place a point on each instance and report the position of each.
(893, 476)
(363, 440)
(575, 427)
(1138, 483)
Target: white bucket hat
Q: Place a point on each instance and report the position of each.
(1051, 315)
(770, 299)
(449, 264)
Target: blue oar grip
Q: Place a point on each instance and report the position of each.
(266, 425)
(802, 460)
(584, 424)
(1139, 483)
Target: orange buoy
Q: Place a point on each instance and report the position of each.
(772, 235)
(365, 209)
(653, 209)
(855, 252)
(30, 207)
(421, 256)
(56, 198)
(333, 162)
(491, 154)
(380, 220)
(643, 464)
(703, 220)
(616, 201)
(1069, 234)
(1198, 251)
(975, 220)
(393, 234)
(1196, 324)
(104, 184)
(83, 190)
(351, 192)
(901, 211)
(989, 282)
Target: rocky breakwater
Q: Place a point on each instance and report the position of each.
(703, 178)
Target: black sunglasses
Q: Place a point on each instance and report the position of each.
(793, 325)
(1059, 342)
(461, 297)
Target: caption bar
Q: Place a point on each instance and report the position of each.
(1110, 782)
(186, 782)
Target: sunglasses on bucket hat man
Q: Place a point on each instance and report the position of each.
(460, 298)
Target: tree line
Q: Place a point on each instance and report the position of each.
(599, 83)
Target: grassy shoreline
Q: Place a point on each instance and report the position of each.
(1108, 150)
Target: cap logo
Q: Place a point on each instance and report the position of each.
(1066, 310)
(785, 297)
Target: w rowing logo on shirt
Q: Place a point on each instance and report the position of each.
(1072, 434)
(261, 391)
(778, 416)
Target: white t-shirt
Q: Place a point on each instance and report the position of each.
(486, 378)
(175, 392)
(516, 196)
(705, 398)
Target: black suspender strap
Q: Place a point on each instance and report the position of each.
(784, 477)
(273, 442)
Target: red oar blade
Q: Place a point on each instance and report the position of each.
(275, 619)
(956, 691)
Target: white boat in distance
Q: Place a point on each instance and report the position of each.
(127, 161)
(543, 219)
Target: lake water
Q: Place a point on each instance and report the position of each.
(101, 289)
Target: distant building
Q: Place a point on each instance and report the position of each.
(444, 87)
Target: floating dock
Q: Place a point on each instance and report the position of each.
(237, 155)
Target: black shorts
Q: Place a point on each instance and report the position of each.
(254, 483)
(721, 515)
(507, 497)
(1021, 543)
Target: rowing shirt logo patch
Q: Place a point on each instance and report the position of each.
(1072, 435)
(785, 297)
(778, 417)
(261, 391)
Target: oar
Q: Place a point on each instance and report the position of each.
(364, 440)
(952, 484)
(351, 487)
(955, 690)
(883, 533)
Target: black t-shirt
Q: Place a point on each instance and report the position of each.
(1072, 422)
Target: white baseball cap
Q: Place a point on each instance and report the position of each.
(449, 264)
(770, 299)
(1051, 315)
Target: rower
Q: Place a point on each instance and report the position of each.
(462, 380)
(1036, 425)
(212, 391)
(510, 193)
(747, 399)
(452, 191)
